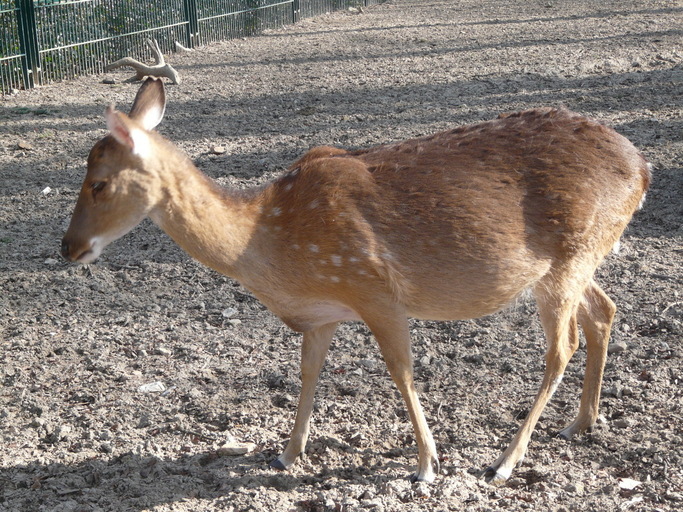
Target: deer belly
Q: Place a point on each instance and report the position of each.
(312, 315)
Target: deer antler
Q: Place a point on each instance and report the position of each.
(159, 69)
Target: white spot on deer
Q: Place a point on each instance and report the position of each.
(313, 204)
(287, 187)
(276, 212)
(334, 279)
(388, 256)
(353, 259)
(313, 248)
(336, 260)
(296, 247)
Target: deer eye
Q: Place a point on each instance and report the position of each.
(97, 186)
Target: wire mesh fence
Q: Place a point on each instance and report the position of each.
(46, 40)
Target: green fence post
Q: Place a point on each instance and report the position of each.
(28, 40)
(192, 18)
(296, 11)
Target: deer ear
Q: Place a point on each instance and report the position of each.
(149, 105)
(127, 132)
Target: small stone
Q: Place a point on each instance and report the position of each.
(236, 448)
(234, 322)
(24, 145)
(628, 484)
(229, 312)
(144, 422)
(152, 387)
(617, 347)
(46, 191)
(218, 150)
(109, 81)
(106, 448)
(162, 351)
(622, 423)
(614, 391)
(367, 363)
(50, 261)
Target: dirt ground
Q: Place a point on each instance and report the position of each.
(78, 342)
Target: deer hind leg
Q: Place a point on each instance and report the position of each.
(393, 336)
(558, 316)
(314, 348)
(595, 314)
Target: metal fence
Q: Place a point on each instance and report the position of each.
(47, 40)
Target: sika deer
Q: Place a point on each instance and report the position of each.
(446, 227)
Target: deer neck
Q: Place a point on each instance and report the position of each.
(212, 224)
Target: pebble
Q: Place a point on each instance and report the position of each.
(152, 387)
(236, 448)
(218, 150)
(367, 363)
(628, 484)
(162, 351)
(229, 312)
(617, 347)
(622, 423)
(25, 146)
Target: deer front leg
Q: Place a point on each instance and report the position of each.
(314, 348)
(392, 335)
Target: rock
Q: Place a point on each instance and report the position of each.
(24, 146)
(46, 191)
(617, 347)
(218, 150)
(229, 312)
(614, 391)
(162, 351)
(232, 447)
(144, 422)
(622, 423)
(109, 81)
(628, 484)
(367, 363)
(152, 387)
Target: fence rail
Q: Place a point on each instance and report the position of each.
(46, 40)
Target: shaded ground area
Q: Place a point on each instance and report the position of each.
(78, 342)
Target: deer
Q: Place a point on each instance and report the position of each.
(450, 226)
